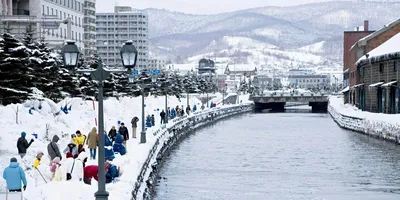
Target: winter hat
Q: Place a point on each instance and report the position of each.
(56, 160)
(122, 124)
(13, 159)
(23, 134)
(39, 153)
(78, 132)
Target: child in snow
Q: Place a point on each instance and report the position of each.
(39, 172)
(90, 172)
(57, 170)
(112, 172)
(71, 149)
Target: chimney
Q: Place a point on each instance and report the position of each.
(366, 24)
(357, 28)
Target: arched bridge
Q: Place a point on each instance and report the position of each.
(277, 102)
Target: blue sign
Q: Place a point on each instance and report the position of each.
(145, 71)
(135, 72)
(157, 71)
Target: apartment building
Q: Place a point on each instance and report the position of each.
(114, 29)
(48, 17)
(89, 25)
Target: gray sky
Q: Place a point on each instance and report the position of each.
(197, 6)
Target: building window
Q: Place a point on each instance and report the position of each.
(52, 11)
(72, 35)
(395, 66)
(381, 68)
(48, 10)
(60, 15)
(42, 9)
(61, 35)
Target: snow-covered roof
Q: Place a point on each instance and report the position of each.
(389, 84)
(363, 41)
(346, 89)
(389, 47)
(241, 67)
(376, 84)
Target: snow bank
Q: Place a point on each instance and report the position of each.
(379, 125)
(170, 135)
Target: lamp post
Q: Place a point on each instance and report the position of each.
(70, 54)
(143, 83)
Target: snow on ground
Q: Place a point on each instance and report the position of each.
(81, 117)
(351, 110)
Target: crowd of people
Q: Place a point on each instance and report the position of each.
(71, 163)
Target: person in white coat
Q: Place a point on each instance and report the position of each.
(75, 167)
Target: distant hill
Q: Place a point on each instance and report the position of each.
(315, 29)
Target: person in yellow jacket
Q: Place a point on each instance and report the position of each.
(36, 163)
(80, 141)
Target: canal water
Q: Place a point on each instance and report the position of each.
(280, 156)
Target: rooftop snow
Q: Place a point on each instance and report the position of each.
(390, 46)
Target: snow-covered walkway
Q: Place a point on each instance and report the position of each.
(385, 126)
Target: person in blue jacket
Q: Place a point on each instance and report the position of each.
(108, 150)
(14, 175)
(112, 172)
(118, 147)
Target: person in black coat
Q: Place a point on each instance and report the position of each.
(153, 120)
(124, 132)
(23, 145)
(112, 133)
(162, 115)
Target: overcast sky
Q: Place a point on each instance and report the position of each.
(197, 6)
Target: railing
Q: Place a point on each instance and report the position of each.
(170, 136)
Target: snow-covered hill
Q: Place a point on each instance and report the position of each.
(292, 28)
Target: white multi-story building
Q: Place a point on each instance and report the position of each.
(309, 81)
(114, 29)
(48, 18)
(157, 63)
(89, 25)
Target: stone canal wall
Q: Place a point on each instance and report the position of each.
(378, 125)
(170, 136)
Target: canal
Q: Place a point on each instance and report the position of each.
(280, 156)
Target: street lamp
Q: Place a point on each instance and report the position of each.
(70, 54)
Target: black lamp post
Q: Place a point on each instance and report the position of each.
(70, 54)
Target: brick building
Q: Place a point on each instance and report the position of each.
(349, 57)
(378, 75)
(360, 49)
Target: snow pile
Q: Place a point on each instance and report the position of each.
(389, 47)
(379, 125)
(49, 121)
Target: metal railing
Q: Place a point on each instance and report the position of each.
(170, 136)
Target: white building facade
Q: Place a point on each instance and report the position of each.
(309, 81)
(114, 29)
(157, 63)
(47, 17)
(89, 25)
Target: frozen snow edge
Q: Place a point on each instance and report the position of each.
(169, 136)
(377, 126)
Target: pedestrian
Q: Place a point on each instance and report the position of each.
(52, 148)
(80, 138)
(71, 149)
(108, 150)
(112, 172)
(112, 133)
(194, 108)
(75, 167)
(202, 107)
(92, 141)
(90, 172)
(118, 147)
(39, 173)
(14, 175)
(124, 132)
(162, 115)
(188, 109)
(134, 122)
(23, 145)
(182, 112)
(57, 170)
(153, 120)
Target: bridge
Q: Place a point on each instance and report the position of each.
(277, 102)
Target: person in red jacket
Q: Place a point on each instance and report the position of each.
(89, 172)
